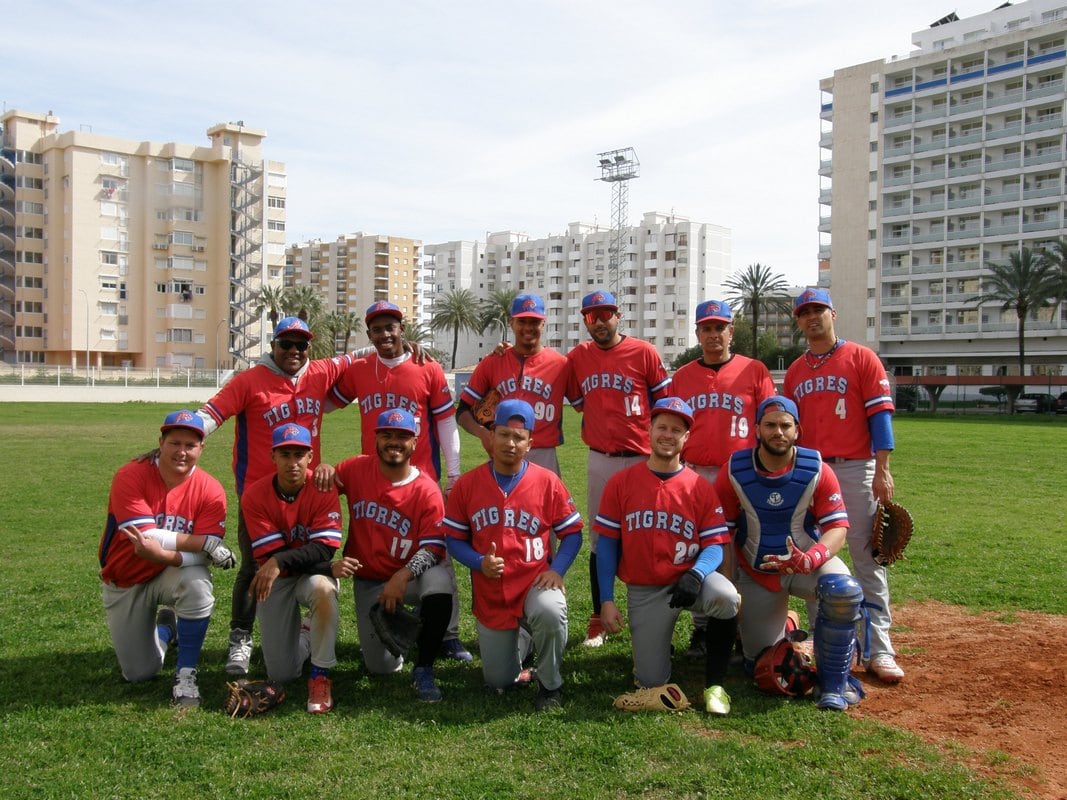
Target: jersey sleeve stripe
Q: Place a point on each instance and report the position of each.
(571, 520)
(836, 516)
(432, 541)
(138, 521)
(445, 408)
(329, 536)
(663, 384)
(457, 526)
(882, 399)
(340, 398)
(470, 395)
(265, 544)
(608, 522)
(215, 415)
(715, 534)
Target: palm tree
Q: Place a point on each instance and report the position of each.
(342, 324)
(1027, 283)
(270, 299)
(756, 290)
(1057, 255)
(456, 310)
(417, 333)
(305, 302)
(496, 310)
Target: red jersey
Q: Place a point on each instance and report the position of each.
(835, 397)
(389, 522)
(420, 389)
(615, 389)
(519, 523)
(274, 524)
(661, 524)
(539, 379)
(139, 497)
(724, 402)
(264, 397)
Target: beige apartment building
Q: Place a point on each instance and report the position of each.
(357, 270)
(135, 253)
(935, 165)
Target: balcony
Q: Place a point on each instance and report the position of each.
(922, 208)
(898, 120)
(965, 233)
(1045, 90)
(1045, 123)
(967, 169)
(892, 211)
(1005, 99)
(934, 113)
(825, 197)
(969, 201)
(1007, 131)
(1043, 158)
(970, 107)
(1043, 225)
(968, 138)
(889, 271)
(1002, 197)
(927, 269)
(932, 236)
(1041, 191)
(962, 266)
(934, 144)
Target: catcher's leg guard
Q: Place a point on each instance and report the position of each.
(840, 601)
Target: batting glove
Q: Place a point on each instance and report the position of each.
(686, 590)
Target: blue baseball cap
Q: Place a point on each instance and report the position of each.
(290, 435)
(396, 419)
(528, 306)
(183, 419)
(809, 297)
(288, 326)
(383, 307)
(676, 406)
(777, 403)
(599, 299)
(714, 309)
(508, 410)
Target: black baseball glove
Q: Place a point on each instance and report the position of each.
(398, 631)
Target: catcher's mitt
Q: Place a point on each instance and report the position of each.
(485, 409)
(397, 631)
(246, 698)
(892, 532)
(783, 670)
(668, 697)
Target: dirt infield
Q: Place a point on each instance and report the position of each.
(995, 687)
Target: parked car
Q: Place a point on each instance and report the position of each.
(1033, 402)
(1061, 403)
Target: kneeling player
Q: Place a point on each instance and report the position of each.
(165, 522)
(394, 531)
(498, 518)
(662, 531)
(295, 529)
(790, 522)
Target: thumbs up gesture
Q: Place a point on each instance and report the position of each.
(492, 565)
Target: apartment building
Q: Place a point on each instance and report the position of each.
(934, 165)
(669, 264)
(133, 253)
(359, 269)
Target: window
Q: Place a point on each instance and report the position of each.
(31, 356)
(275, 202)
(26, 257)
(275, 225)
(29, 282)
(26, 182)
(27, 207)
(29, 307)
(161, 288)
(32, 331)
(108, 309)
(28, 232)
(182, 165)
(184, 335)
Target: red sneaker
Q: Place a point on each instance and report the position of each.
(319, 698)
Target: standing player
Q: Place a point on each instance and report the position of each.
(843, 393)
(528, 371)
(614, 379)
(392, 378)
(394, 531)
(283, 387)
(790, 522)
(662, 530)
(295, 529)
(498, 518)
(161, 515)
(723, 389)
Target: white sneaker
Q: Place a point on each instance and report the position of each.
(186, 693)
(240, 652)
(884, 667)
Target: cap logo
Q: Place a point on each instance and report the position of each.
(291, 431)
(529, 304)
(596, 298)
(674, 404)
(395, 417)
(184, 416)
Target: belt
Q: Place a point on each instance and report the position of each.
(841, 459)
(618, 453)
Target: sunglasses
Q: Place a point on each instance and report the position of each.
(288, 344)
(598, 315)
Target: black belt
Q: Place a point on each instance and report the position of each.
(840, 460)
(618, 453)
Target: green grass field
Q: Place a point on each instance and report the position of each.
(984, 493)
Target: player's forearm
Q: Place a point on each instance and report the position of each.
(833, 540)
(568, 551)
(306, 560)
(708, 561)
(607, 564)
(172, 540)
(463, 552)
(448, 436)
(880, 427)
(466, 420)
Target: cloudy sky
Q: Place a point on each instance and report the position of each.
(445, 120)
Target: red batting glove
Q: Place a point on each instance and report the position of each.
(797, 561)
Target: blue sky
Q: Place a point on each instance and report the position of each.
(445, 120)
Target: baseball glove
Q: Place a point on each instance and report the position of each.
(246, 698)
(892, 532)
(783, 670)
(485, 409)
(397, 631)
(668, 697)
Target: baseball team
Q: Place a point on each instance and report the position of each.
(708, 492)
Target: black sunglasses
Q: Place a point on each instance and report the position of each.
(288, 344)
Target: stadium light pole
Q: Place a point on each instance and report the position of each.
(618, 167)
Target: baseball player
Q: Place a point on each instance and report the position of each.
(394, 531)
(528, 371)
(662, 531)
(843, 393)
(391, 377)
(283, 387)
(784, 505)
(613, 381)
(295, 529)
(165, 523)
(498, 517)
(723, 389)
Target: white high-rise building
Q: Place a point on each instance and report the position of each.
(669, 265)
(934, 165)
